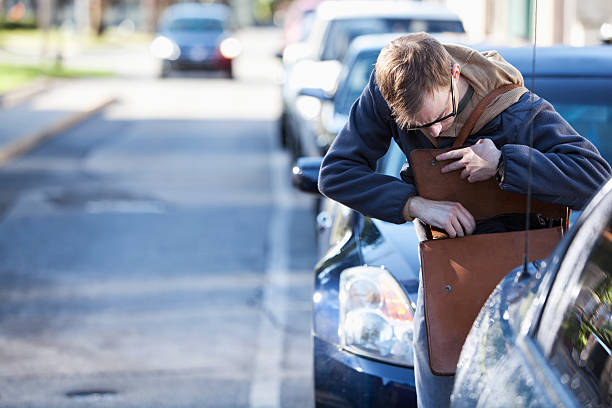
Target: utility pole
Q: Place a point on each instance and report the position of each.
(81, 16)
(149, 10)
(45, 14)
(97, 16)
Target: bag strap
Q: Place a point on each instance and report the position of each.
(478, 110)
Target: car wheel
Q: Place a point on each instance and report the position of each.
(295, 148)
(283, 131)
(165, 69)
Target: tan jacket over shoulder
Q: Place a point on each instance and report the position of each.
(484, 71)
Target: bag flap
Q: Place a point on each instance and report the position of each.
(482, 199)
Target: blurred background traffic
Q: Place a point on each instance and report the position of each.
(104, 37)
(152, 250)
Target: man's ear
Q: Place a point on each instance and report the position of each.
(455, 71)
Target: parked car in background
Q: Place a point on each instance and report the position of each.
(337, 23)
(316, 62)
(298, 21)
(320, 113)
(195, 36)
(366, 282)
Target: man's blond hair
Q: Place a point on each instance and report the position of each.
(409, 69)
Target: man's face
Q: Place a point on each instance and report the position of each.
(435, 107)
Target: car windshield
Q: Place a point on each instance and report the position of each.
(341, 32)
(307, 23)
(196, 25)
(357, 78)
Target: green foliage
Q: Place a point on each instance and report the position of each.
(263, 10)
(14, 76)
(27, 23)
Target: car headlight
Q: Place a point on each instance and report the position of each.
(230, 48)
(375, 316)
(308, 107)
(164, 48)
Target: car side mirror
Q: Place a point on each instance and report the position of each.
(316, 93)
(306, 174)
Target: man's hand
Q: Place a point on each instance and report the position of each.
(479, 162)
(452, 217)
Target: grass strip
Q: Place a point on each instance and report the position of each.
(111, 37)
(15, 76)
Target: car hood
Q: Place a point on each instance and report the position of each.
(396, 248)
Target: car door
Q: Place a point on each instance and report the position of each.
(563, 354)
(575, 332)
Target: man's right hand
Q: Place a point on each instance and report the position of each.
(448, 215)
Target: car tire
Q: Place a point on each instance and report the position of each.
(165, 69)
(295, 148)
(283, 131)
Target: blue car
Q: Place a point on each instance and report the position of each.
(366, 281)
(195, 36)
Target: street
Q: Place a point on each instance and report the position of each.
(155, 255)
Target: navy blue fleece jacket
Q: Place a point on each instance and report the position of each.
(566, 168)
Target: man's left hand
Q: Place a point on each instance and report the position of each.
(479, 162)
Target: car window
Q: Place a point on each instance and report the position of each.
(341, 225)
(585, 103)
(307, 22)
(195, 25)
(436, 26)
(356, 79)
(393, 161)
(593, 121)
(581, 348)
(341, 32)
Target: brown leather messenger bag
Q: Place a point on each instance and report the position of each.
(459, 274)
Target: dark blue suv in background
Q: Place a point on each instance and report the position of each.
(196, 36)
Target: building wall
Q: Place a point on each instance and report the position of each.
(570, 22)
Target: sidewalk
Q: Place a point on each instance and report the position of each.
(127, 58)
(45, 110)
(47, 107)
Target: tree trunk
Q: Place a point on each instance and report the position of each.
(96, 10)
(149, 10)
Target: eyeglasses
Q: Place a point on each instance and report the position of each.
(443, 118)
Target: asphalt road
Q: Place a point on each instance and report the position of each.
(156, 256)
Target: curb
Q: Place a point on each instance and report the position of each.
(28, 142)
(17, 96)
